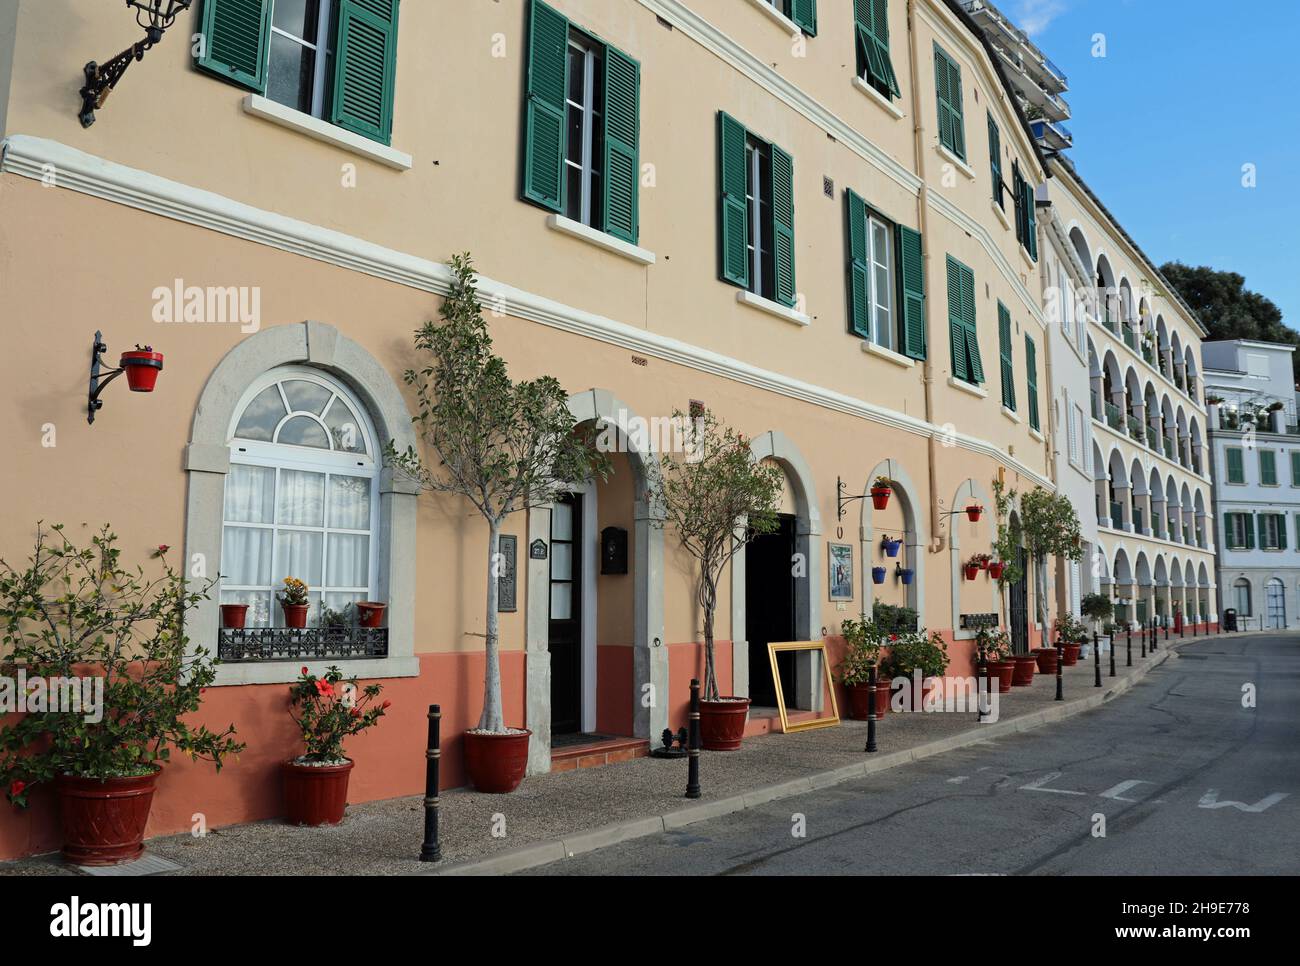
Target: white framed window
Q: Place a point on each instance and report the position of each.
(1066, 292)
(758, 198)
(300, 64)
(301, 498)
(1241, 593)
(880, 263)
(584, 131)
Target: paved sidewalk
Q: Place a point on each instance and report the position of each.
(554, 815)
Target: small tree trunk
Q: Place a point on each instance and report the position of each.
(709, 601)
(492, 718)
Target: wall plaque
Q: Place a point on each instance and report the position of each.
(507, 581)
(537, 549)
(972, 621)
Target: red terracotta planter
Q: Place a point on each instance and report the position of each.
(370, 614)
(142, 369)
(995, 569)
(880, 497)
(104, 819)
(722, 723)
(973, 513)
(1071, 655)
(972, 571)
(1046, 657)
(233, 615)
(315, 794)
(496, 763)
(1005, 672)
(295, 615)
(1025, 666)
(860, 701)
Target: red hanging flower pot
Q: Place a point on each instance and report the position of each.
(142, 368)
(995, 569)
(973, 512)
(880, 496)
(972, 571)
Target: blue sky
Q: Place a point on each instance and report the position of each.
(1189, 91)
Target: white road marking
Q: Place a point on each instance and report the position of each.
(1211, 800)
(1040, 785)
(1117, 793)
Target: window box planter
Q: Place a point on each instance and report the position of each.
(233, 615)
(722, 723)
(880, 497)
(891, 546)
(877, 575)
(142, 368)
(370, 613)
(496, 762)
(905, 574)
(315, 794)
(104, 818)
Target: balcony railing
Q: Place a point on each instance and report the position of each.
(1137, 519)
(1135, 428)
(1148, 354)
(1096, 407)
(1153, 438)
(242, 645)
(1169, 448)
(1116, 515)
(1113, 416)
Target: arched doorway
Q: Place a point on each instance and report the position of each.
(1275, 598)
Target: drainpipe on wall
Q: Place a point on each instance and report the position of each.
(938, 540)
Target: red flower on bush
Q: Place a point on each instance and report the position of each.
(386, 705)
(325, 689)
(16, 788)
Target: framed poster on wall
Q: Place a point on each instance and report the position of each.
(839, 576)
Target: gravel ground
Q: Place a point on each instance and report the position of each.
(383, 838)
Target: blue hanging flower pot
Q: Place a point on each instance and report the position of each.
(905, 575)
(891, 547)
(878, 575)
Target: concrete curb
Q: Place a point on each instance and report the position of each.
(552, 850)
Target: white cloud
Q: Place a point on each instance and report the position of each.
(1034, 16)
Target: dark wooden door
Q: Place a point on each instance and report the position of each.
(769, 610)
(566, 615)
(1020, 606)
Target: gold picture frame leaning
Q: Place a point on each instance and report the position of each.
(786, 727)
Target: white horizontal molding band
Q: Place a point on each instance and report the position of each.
(32, 157)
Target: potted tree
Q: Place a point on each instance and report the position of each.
(294, 602)
(915, 657)
(326, 710)
(74, 612)
(717, 498)
(863, 640)
(504, 446)
(1069, 631)
(995, 643)
(1098, 608)
(1049, 528)
(881, 487)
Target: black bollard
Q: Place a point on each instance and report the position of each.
(693, 754)
(1129, 662)
(431, 850)
(1060, 669)
(1142, 634)
(1155, 634)
(1194, 623)
(1096, 665)
(1112, 657)
(871, 712)
(981, 674)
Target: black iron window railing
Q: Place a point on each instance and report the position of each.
(242, 645)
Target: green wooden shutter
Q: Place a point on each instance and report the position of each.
(1281, 530)
(235, 41)
(947, 78)
(1236, 470)
(911, 284)
(858, 278)
(783, 225)
(1230, 537)
(1031, 221)
(1004, 354)
(804, 14)
(968, 319)
(622, 161)
(1295, 468)
(1018, 194)
(548, 73)
(956, 324)
(1267, 468)
(1256, 526)
(365, 68)
(1297, 531)
(995, 161)
(871, 25)
(733, 214)
(1031, 370)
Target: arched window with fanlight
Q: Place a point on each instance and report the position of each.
(301, 497)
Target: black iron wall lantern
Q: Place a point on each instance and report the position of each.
(154, 16)
(613, 550)
(141, 366)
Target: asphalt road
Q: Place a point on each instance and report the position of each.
(1186, 780)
